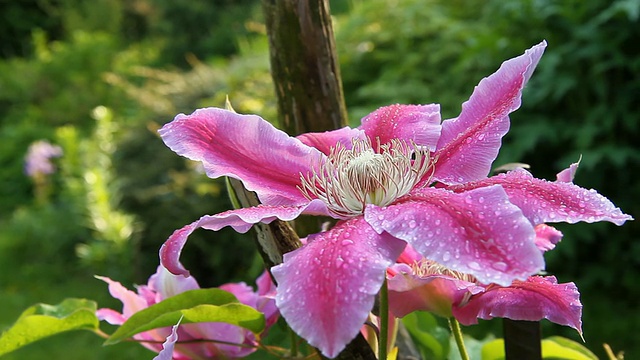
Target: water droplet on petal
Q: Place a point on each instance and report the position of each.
(474, 265)
(446, 256)
(500, 266)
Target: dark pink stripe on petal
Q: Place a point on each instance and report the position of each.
(535, 299)
(327, 288)
(544, 201)
(246, 147)
(418, 123)
(240, 220)
(479, 232)
(470, 142)
(324, 141)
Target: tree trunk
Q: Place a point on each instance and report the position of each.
(306, 76)
(522, 340)
(304, 65)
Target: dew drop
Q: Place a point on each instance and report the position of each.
(446, 256)
(474, 265)
(500, 266)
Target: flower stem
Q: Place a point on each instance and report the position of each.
(294, 342)
(384, 321)
(457, 335)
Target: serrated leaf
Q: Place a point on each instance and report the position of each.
(193, 306)
(43, 320)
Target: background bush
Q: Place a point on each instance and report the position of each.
(144, 61)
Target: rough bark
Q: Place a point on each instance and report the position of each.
(304, 65)
(306, 77)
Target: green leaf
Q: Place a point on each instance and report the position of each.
(42, 320)
(493, 350)
(432, 339)
(553, 348)
(558, 347)
(474, 347)
(193, 306)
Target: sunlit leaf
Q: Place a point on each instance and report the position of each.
(557, 347)
(200, 305)
(553, 348)
(42, 320)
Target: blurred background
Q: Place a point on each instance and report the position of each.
(87, 187)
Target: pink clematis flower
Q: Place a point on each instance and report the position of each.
(375, 179)
(163, 285)
(416, 283)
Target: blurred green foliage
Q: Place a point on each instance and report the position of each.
(99, 77)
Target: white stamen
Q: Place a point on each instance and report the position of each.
(351, 178)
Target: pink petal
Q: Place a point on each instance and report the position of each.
(167, 346)
(434, 293)
(417, 123)
(266, 303)
(327, 288)
(535, 299)
(111, 316)
(470, 142)
(245, 147)
(568, 174)
(324, 141)
(131, 302)
(220, 332)
(243, 292)
(241, 220)
(547, 237)
(545, 201)
(478, 232)
(167, 284)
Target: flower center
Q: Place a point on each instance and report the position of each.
(424, 268)
(351, 178)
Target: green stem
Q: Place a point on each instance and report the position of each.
(457, 334)
(384, 321)
(294, 342)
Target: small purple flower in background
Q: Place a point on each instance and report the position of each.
(402, 177)
(38, 159)
(162, 285)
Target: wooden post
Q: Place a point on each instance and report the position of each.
(306, 76)
(522, 340)
(304, 65)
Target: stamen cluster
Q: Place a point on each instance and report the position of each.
(426, 267)
(351, 178)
